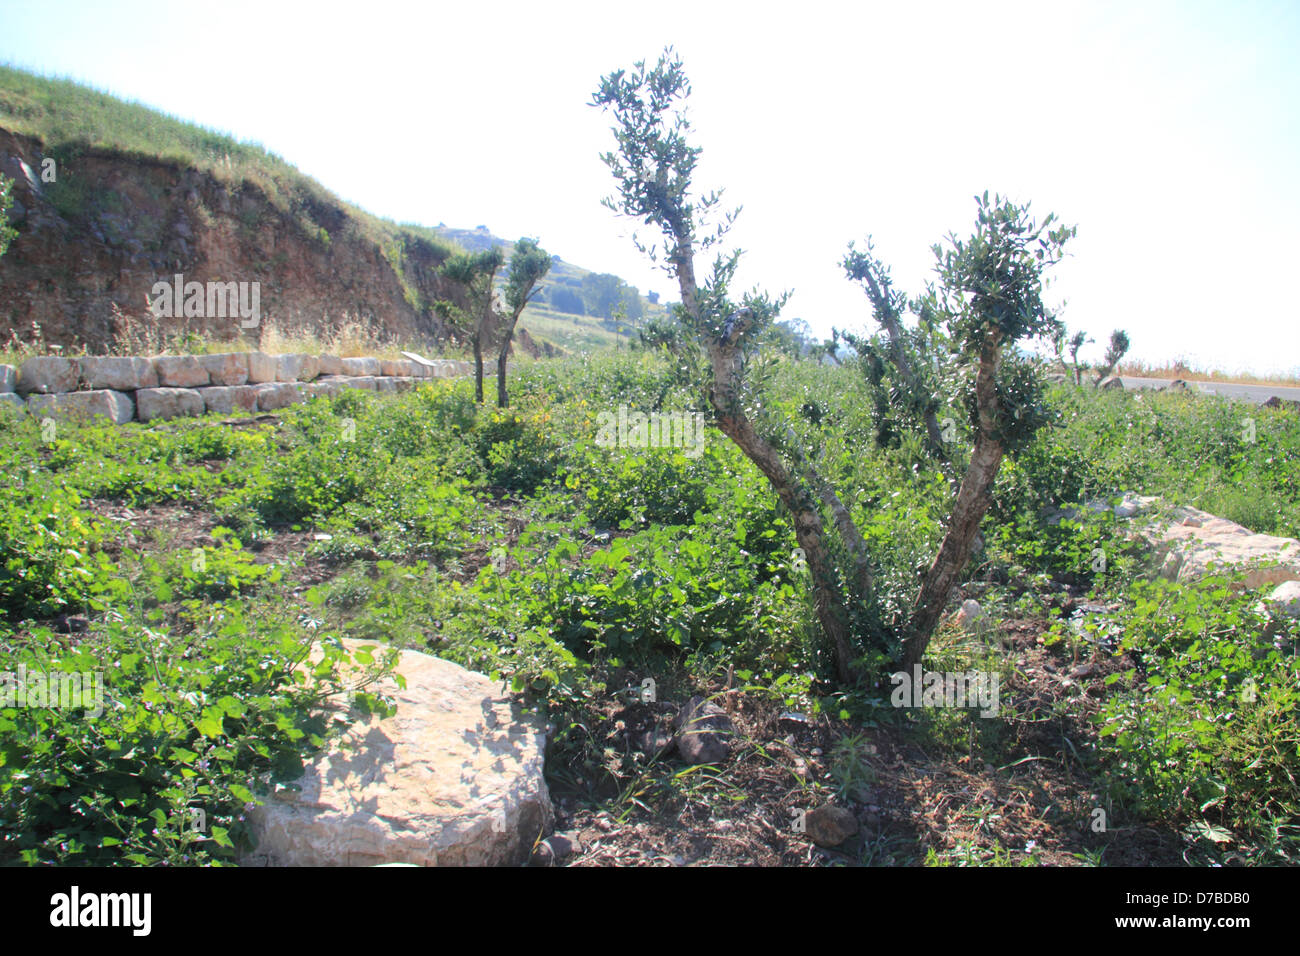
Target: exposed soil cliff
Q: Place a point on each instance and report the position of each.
(110, 225)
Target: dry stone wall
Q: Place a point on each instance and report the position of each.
(123, 389)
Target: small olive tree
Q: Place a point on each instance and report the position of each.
(988, 298)
(482, 321)
(476, 272)
(529, 264)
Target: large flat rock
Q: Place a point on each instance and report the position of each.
(454, 778)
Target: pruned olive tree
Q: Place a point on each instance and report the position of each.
(1116, 349)
(529, 263)
(988, 298)
(477, 273)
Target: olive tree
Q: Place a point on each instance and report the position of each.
(529, 263)
(988, 297)
(477, 273)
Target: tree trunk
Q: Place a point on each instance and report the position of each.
(502, 400)
(808, 529)
(968, 511)
(478, 367)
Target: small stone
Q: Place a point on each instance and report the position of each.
(830, 826)
(703, 732)
(970, 613)
(1285, 599)
(1083, 670)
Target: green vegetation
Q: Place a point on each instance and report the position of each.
(508, 541)
(7, 232)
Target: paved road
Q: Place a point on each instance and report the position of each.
(1258, 394)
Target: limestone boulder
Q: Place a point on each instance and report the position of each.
(117, 407)
(402, 367)
(453, 778)
(180, 371)
(1195, 542)
(273, 395)
(1285, 599)
(226, 368)
(261, 368)
(47, 375)
(362, 367)
(228, 399)
(330, 364)
(124, 374)
(151, 403)
(12, 401)
(8, 378)
(296, 367)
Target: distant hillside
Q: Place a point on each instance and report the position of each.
(575, 308)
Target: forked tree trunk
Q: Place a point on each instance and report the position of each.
(808, 529)
(973, 499)
(502, 400)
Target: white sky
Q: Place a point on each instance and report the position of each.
(1169, 132)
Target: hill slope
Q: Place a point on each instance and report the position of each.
(112, 197)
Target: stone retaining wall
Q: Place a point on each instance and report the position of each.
(172, 386)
